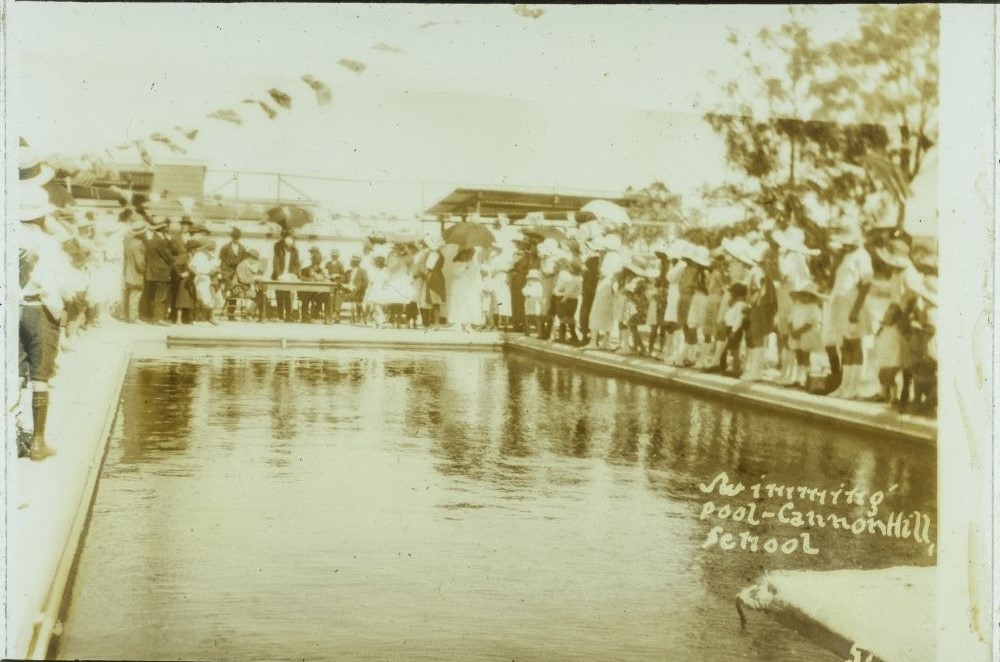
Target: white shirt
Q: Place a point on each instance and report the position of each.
(52, 277)
(854, 269)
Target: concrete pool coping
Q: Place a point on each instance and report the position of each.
(84, 405)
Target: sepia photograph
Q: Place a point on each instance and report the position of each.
(498, 332)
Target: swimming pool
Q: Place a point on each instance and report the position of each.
(384, 504)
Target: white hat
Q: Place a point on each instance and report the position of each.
(698, 255)
(793, 238)
(30, 168)
(611, 242)
(739, 248)
(33, 203)
(758, 251)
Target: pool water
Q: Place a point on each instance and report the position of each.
(397, 505)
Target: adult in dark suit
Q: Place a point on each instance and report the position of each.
(159, 271)
(286, 266)
(525, 259)
(229, 258)
(591, 274)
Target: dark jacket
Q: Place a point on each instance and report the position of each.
(159, 259)
(229, 259)
(294, 266)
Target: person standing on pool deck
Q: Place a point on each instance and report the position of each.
(45, 285)
(159, 272)
(847, 314)
(286, 267)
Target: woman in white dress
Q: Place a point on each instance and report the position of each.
(602, 314)
(202, 265)
(465, 295)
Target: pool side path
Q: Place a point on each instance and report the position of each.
(48, 502)
(889, 612)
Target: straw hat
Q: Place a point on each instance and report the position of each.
(34, 203)
(254, 253)
(698, 255)
(30, 168)
(808, 288)
(611, 242)
(137, 225)
(850, 235)
(739, 248)
(895, 254)
(793, 238)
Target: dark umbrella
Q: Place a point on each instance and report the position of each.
(468, 235)
(290, 216)
(543, 232)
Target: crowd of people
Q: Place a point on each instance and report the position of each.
(752, 306)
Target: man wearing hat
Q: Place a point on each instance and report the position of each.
(313, 305)
(134, 269)
(286, 266)
(336, 273)
(357, 287)
(45, 286)
(159, 271)
(229, 258)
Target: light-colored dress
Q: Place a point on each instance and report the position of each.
(464, 297)
(602, 313)
(801, 314)
(853, 270)
(670, 315)
(202, 265)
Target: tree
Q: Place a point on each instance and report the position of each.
(773, 120)
(654, 204)
(889, 74)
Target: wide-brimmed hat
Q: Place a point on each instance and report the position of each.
(739, 248)
(611, 242)
(793, 238)
(808, 288)
(30, 168)
(33, 203)
(758, 251)
(675, 249)
(896, 253)
(534, 274)
(698, 255)
(315, 250)
(850, 235)
(138, 225)
(207, 244)
(254, 253)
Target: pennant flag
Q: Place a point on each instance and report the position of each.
(226, 115)
(190, 134)
(143, 152)
(528, 11)
(280, 98)
(160, 138)
(323, 94)
(387, 47)
(271, 112)
(353, 65)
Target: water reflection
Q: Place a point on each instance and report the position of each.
(540, 499)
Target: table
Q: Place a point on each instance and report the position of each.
(301, 286)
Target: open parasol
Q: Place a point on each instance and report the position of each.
(469, 235)
(290, 216)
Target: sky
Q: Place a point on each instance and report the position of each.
(588, 98)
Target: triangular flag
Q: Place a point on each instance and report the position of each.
(280, 98)
(387, 47)
(143, 152)
(353, 65)
(271, 112)
(323, 94)
(160, 138)
(190, 134)
(226, 115)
